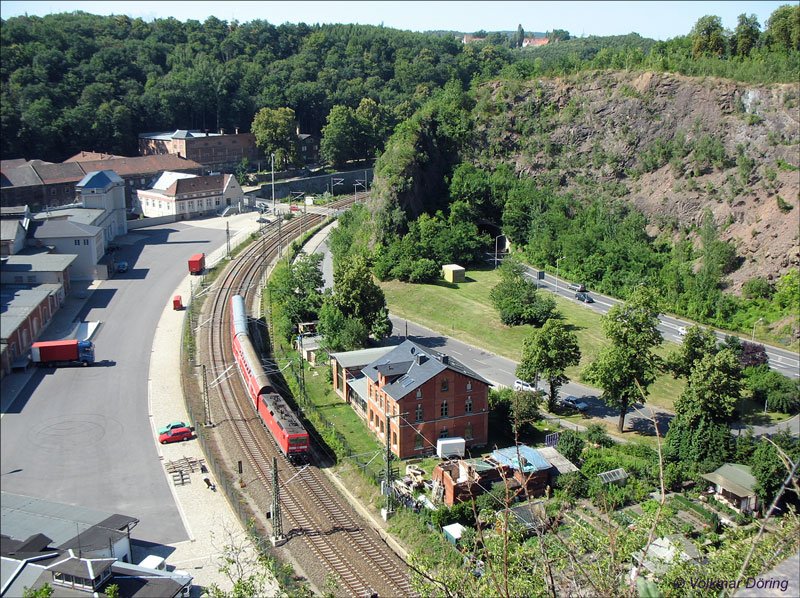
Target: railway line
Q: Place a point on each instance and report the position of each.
(315, 516)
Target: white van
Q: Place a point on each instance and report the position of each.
(153, 561)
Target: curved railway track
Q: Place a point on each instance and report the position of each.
(361, 563)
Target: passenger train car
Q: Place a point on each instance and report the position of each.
(289, 434)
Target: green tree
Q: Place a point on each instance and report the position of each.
(776, 391)
(708, 37)
(769, 469)
(783, 28)
(274, 129)
(340, 136)
(697, 344)
(714, 388)
(374, 123)
(516, 299)
(628, 365)
(746, 35)
(570, 444)
(547, 353)
(44, 591)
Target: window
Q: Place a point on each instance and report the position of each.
(419, 394)
(382, 428)
(77, 241)
(419, 413)
(86, 241)
(444, 409)
(443, 433)
(445, 385)
(468, 432)
(418, 442)
(394, 438)
(468, 405)
(32, 278)
(469, 384)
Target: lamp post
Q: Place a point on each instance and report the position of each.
(557, 260)
(753, 336)
(495, 249)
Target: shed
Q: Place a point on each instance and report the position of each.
(453, 532)
(454, 273)
(735, 484)
(447, 447)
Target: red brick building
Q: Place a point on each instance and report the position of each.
(424, 395)
(213, 150)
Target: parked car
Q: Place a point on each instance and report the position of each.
(175, 435)
(172, 426)
(574, 403)
(585, 297)
(522, 385)
(262, 220)
(579, 287)
(681, 331)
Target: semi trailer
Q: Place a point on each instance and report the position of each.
(59, 353)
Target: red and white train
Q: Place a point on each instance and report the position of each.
(289, 434)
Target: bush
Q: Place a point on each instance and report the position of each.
(596, 434)
(570, 444)
(573, 485)
(772, 388)
(757, 288)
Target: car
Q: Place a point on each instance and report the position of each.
(579, 287)
(574, 403)
(172, 426)
(524, 386)
(262, 220)
(681, 331)
(584, 297)
(175, 435)
(122, 267)
(294, 208)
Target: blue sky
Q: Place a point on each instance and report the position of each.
(658, 20)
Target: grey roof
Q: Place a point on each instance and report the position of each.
(9, 229)
(54, 229)
(613, 475)
(87, 216)
(411, 366)
(40, 262)
(16, 304)
(14, 212)
(358, 359)
(22, 516)
(139, 582)
(557, 460)
(71, 564)
(19, 175)
(177, 134)
(530, 458)
(359, 386)
(16, 576)
(733, 477)
(100, 179)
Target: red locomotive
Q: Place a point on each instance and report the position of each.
(289, 434)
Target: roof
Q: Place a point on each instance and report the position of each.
(530, 514)
(511, 456)
(613, 475)
(16, 304)
(23, 516)
(15, 576)
(84, 156)
(18, 173)
(66, 172)
(411, 366)
(454, 267)
(57, 229)
(557, 460)
(662, 552)
(454, 530)
(177, 134)
(80, 215)
(199, 184)
(41, 262)
(100, 179)
(733, 477)
(71, 564)
(9, 229)
(359, 359)
(142, 165)
(139, 582)
(168, 178)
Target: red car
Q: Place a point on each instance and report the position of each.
(175, 435)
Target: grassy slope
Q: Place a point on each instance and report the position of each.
(464, 311)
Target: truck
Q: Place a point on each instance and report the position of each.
(59, 353)
(197, 263)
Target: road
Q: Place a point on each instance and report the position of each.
(83, 436)
(781, 360)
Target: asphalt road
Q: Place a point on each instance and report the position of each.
(83, 435)
(781, 360)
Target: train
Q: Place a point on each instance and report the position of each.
(284, 425)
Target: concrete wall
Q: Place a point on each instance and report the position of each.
(145, 222)
(317, 185)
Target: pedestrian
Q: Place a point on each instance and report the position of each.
(209, 484)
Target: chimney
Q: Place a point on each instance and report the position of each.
(446, 359)
(421, 358)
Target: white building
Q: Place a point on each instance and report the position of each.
(187, 196)
(85, 241)
(105, 190)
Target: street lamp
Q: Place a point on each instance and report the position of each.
(557, 260)
(753, 336)
(495, 248)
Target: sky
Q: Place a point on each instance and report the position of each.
(656, 20)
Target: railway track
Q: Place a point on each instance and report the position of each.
(317, 516)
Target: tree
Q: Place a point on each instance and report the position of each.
(776, 391)
(628, 366)
(769, 469)
(708, 37)
(274, 129)
(783, 28)
(570, 444)
(697, 344)
(548, 352)
(519, 37)
(340, 136)
(714, 388)
(43, 592)
(516, 299)
(746, 35)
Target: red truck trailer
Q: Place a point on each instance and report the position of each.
(67, 352)
(197, 263)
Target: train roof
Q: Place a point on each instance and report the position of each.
(283, 414)
(238, 314)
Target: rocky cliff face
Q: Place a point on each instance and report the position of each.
(674, 146)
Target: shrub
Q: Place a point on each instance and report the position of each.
(570, 444)
(596, 434)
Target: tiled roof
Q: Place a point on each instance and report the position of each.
(84, 156)
(145, 165)
(18, 175)
(200, 184)
(66, 172)
(168, 178)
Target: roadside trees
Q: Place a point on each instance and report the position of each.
(547, 353)
(275, 134)
(628, 366)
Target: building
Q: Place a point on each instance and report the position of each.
(105, 190)
(464, 479)
(14, 224)
(184, 197)
(469, 39)
(307, 147)
(44, 184)
(666, 551)
(217, 151)
(418, 396)
(66, 236)
(531, 471)
(349, 381)
(734, 484)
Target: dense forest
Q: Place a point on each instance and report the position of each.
(77, 81)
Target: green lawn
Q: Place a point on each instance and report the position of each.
(464, 311)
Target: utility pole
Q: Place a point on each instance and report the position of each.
(277, 523)
(228, 238)
(272, 162)
(389, 474)
(206, 403)
(302, 370)
(280, 239)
